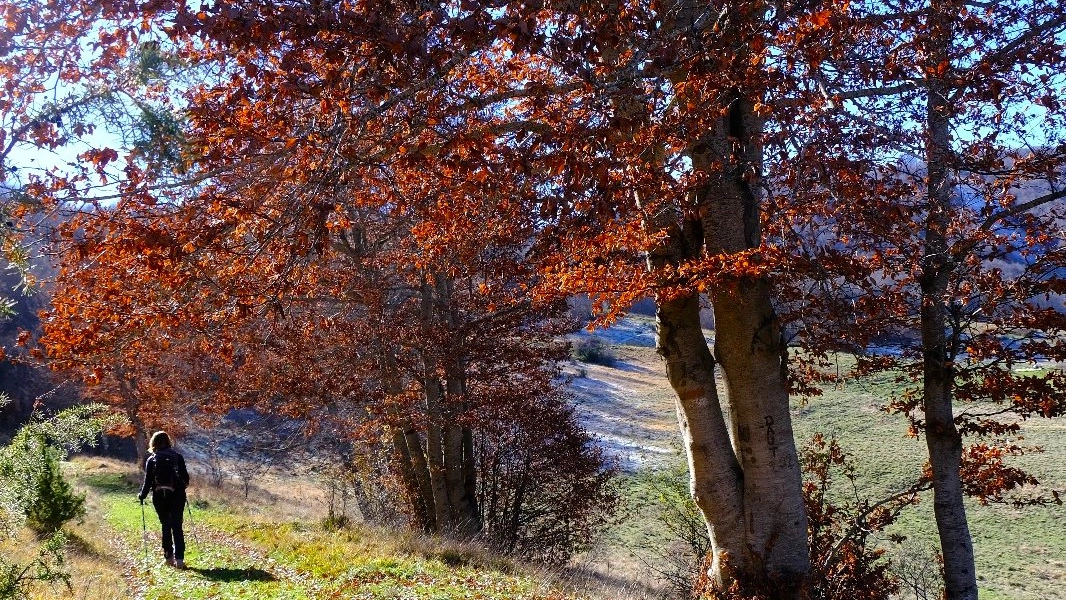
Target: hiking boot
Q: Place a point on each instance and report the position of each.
(171, 562)
(180, 564)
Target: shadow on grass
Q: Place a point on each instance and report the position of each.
(113, 483)
(232, 575)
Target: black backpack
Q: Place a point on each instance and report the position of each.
(167, 473)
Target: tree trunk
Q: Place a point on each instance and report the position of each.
(716, 480)
(435, 454)
(942, 437)
(748, 487)
(420, 466)
(749, 347)
(752, 353)
(463, 505)
(470, 474)
(127, 388)
(751, 544)
(421, 496)
(458, 443)
(455, 509)
(410, 455)
(140, 442)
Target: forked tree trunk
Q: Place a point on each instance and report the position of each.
(747, 484)
(749, 493)
(716, 480)
(942, 437)
(409, 454)
(751, 350)
(745, 471)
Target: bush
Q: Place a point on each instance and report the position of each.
(594, 350)
(679, 563)
(48, 567)
(545, 488)
(54, 500)
(32, 491)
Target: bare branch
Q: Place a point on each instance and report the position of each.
(1022, 208)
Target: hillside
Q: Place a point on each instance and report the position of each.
(274, 543)
(274, 546)
(1021, 553)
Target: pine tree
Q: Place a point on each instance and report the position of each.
(55, 501)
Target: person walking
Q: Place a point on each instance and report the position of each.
(166, 477)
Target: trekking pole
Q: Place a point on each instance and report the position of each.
(144, 535)
(192, 525)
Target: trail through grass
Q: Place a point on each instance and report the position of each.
(241, 556)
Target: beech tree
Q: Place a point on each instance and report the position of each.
(417, 328)
(946, 227)
(629, 128)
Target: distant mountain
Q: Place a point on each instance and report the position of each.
(22, 382)
(21, 379)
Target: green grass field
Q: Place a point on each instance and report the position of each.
(236, 553)
(1020, 552)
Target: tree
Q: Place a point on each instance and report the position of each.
(415, 328)
(967, 265)
(28, 472)
(662, 149)
(626, 128)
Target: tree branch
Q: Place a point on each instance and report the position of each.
(1022, 208)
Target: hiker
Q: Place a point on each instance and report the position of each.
(165, 475)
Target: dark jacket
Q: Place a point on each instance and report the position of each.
(150, 472)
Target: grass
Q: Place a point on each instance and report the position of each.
(271, 546)
(1020, 553)
(237, 553)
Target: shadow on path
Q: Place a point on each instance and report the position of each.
(231, 575)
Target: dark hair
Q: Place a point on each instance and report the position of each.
(160, 441)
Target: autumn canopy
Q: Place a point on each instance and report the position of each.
(372, 213)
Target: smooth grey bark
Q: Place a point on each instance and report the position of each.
(943, 440)
(747, 487)
(435, 455)
(745, 473)
(411, 456)
(716, 479)
(752, 353)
